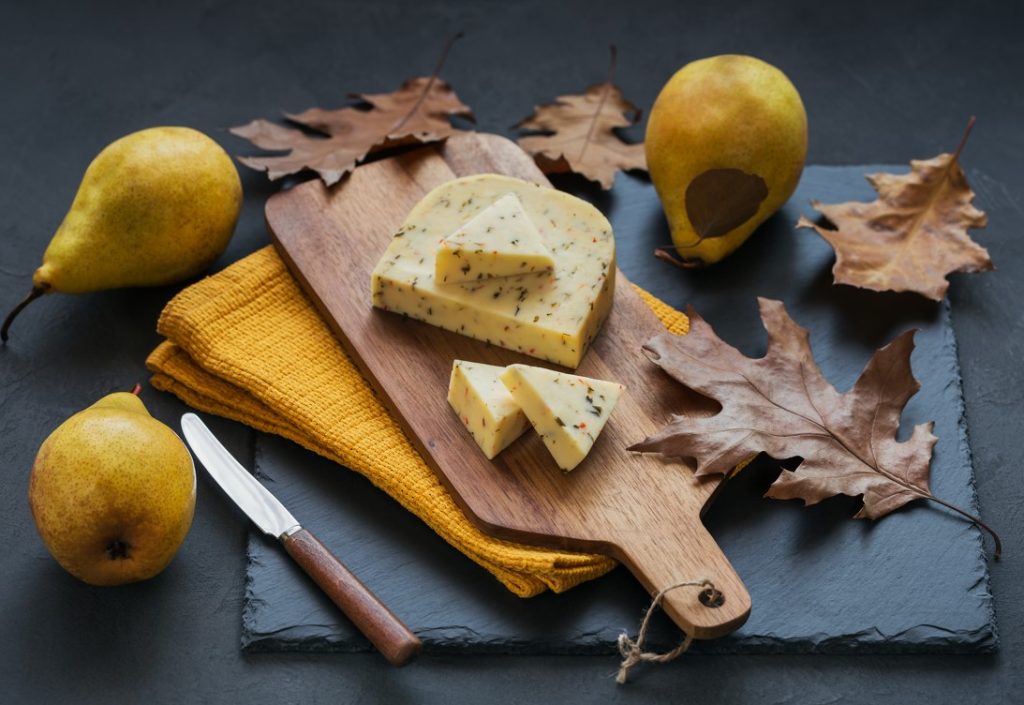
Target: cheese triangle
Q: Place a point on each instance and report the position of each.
(501, 241)
(568, 411)
(484, 406)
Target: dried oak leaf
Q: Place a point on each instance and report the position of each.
(418, 111)
(578, 133)
(782, 405)
(913, 235)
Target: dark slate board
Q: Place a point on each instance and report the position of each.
(916, 581)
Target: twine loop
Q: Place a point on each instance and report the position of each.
(632, 650)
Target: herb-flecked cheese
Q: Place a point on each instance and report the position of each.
(484, 406)
(501, 241)
(552, 315)
(568, 411)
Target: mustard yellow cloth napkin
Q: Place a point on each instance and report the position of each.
(247, 344)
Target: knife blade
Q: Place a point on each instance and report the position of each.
(384, 630)
(253, 498)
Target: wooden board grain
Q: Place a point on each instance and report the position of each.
(638, 509)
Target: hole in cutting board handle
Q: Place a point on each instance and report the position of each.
(710, 597)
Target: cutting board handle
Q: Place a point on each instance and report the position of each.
(661, 557)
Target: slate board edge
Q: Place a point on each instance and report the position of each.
(963, 442)
(991, 639)
(984, 641)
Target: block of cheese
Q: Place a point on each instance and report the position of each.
(568, 411)
(500, 241)
(551, 315)
(485, 406)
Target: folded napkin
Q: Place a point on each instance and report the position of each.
(247, 344)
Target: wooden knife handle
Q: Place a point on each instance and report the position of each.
(384, 630)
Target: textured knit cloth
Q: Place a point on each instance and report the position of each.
(247, 344)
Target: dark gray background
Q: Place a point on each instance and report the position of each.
(882, 83)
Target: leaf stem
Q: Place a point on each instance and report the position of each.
(612, 60)
(997, 552)
(963, 140)
(430, 83)
(922, 493)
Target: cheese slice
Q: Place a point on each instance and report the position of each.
(484, 406)
(551, 315)
(568, 411)
(501, 241)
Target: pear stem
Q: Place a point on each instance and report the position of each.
(663, 254)
(32, 296)
(137, 389)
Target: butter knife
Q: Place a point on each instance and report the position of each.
(384, 630)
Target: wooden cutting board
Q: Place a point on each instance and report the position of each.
(639, 509)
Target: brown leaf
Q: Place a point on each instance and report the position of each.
(782, 405)
(579, 133)
(913, 235)
(418, 111)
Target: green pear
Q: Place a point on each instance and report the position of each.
(113, 492)
(154, 207)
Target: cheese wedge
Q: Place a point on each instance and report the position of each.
(552, 316)
(484, 406)
(568, 411)
(501, 241)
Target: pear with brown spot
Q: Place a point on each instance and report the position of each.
(726, 142)
(113, 492)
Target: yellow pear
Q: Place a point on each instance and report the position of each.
(112, 492)
(154, 207)
(726, 142)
